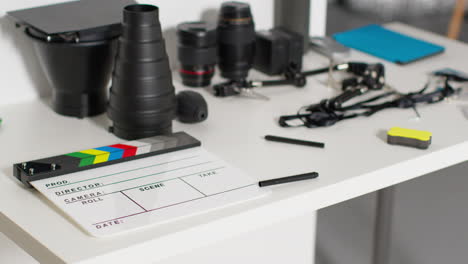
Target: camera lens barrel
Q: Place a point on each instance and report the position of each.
(197, 53)
(236, 40)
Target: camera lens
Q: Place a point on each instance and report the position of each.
(197, 53)
(236, 40)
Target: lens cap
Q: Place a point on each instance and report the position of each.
(199, 34)
(232, 10)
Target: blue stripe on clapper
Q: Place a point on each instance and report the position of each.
(115, 153)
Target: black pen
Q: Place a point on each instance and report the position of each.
(300, 177)
(295, 141)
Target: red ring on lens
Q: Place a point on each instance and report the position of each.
(196, 72)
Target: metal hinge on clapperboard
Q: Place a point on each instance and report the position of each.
(87, 159)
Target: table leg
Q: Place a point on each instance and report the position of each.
(383, 226)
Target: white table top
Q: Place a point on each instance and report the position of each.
(356, 161)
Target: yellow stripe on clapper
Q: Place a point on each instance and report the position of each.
(100, 156)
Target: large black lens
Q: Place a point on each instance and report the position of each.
(142, 99)
(197, 53)
(236, 40)
(75, 44)
(78, 72)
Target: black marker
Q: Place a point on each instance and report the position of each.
(295, 141)
(300, 177)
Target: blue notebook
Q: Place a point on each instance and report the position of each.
(387, 44)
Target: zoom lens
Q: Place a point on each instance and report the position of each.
(236, 40)
(197, 53)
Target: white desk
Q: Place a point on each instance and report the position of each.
(356, 161)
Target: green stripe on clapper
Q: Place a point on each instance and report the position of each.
(85, 159)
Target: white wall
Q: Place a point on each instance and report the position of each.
(291, 241)
(20, 76)
(11, 253)
(318, 17)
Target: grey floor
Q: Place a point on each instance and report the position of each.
(341, 18)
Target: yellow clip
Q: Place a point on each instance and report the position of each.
(410, 133)
(409, 137)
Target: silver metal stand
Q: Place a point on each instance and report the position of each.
(383, 226)
(299, 22)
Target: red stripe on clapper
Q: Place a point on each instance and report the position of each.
(129, 151)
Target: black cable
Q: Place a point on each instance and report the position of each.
(292, 76)
(318, 71)
(326, 113)
(270, 83)
(362, 103)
